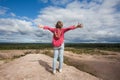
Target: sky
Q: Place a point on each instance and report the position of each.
(100, 18)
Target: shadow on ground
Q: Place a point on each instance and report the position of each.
(45, 65)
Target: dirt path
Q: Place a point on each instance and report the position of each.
(106, 67)
(38, 67)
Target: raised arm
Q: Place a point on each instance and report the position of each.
(73, 27)
(46, 27)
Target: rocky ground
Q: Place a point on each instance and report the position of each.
(106, 67)
(38, 67)
(32, 65)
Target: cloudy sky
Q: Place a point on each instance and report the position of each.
(19, 20)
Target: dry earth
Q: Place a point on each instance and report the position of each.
(38, 67)
(106, 67)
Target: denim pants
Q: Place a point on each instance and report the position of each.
(58, 52)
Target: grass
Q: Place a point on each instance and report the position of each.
(7, 60)
(67, 60)
(90, 51)
(79, 65)
(27, 52)
(23, 46)
(18, 56)
(72, 62)
(47, 52)
(12, 56)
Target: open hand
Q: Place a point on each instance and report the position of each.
(79, 25)
(40, 26)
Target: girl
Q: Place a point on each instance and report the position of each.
(58, 41)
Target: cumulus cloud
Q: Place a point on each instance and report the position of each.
(16, 30)
(14, 25)
(20, 29)
(99, 17)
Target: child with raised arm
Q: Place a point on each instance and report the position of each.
(58, 41)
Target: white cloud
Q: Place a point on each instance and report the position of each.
(3, 10)
(17, 30)
(12, 14)
(60, 2)
(99, 17)
(14, 25)
(44, 1)
(56, 2)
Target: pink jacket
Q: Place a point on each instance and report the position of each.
(58, 37)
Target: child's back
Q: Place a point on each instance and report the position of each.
(58, 41)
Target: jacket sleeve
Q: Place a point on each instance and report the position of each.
(69, 28)
(48, 28)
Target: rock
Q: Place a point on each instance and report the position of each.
(39, 67)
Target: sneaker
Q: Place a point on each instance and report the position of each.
(54, 71)
(60, 70)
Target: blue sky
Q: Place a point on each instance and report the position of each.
(19, 20)
(28, 8)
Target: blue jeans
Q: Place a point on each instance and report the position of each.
(58, 52)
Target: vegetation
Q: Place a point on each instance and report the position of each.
(86, 51)
(95, 46)
(73, 62)
(22, 46)
(79, 47)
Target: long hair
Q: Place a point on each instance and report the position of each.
(59, 24)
